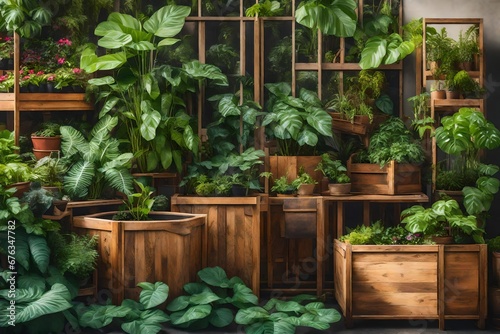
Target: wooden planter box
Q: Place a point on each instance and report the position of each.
(411, 282)
(170, 249)
(392, 179)
(233, 232)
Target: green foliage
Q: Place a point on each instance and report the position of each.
(25, 17)
(334, 170)
(297, 123)
(50, 171)
(467, 44)
(331, 17)
(160, 203)
(438, 44)
(281, 185)
(97, 161)
(465, 134)
(12, 169)
(48, 129)
(443, 218)
(393, 141)
(283, 316)
(75, 254)
(377, 234)
(149, 98)
(134, 317)
(303, 178)
(264, 8)
(223, 56)
(466, 85)
(211, 301)
(139, 204)
(39, 200)
(422, 121)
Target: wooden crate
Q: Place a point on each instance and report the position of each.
(411, 282)
(233, 232)
(392, 179)
(170, 250)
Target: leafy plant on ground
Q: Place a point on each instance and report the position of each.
(283, 316)
(211, 301)
(132, 316)
(42, 295)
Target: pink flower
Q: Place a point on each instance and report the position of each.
(77, 70)
(3, 77)
(60, 61)
(26, 77)
(64, 41)
(51, 78)
(40, 73)
(7, 39)
(31, 71)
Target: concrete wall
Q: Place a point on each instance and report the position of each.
(489, 10)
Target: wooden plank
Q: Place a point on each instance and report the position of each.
(395, 287)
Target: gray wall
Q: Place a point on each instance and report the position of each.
(489, 10)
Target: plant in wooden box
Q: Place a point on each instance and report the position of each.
(147, 97)
(300, 128)
(339, 183)
(443, 222)
(7, 82)
(46, 139)
(391, 164)
(98, 166)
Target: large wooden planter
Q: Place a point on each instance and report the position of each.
(170, 249)
(411, 282)
(233, 232)
(392, 179)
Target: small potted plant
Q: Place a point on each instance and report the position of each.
(466, 85)
(304, 183)
(46, 139)
(339, 182)
(283, 187)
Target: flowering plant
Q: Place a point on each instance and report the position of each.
(6, 47)
(6, 82)
(64, 76)
(30, 76)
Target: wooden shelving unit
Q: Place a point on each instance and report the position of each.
(442, 107)
(18, 102)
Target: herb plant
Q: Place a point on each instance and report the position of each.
(393, 141)
(334, 170)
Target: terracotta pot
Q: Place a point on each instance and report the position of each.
(306, 189)
(451, 94)
(46, 143)
(39, 154)
(438, 94)
(336, 189)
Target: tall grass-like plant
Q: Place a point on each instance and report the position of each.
(98, 162)
(148, 98)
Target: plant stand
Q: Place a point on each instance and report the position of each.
(411, 282)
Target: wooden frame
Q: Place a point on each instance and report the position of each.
(411, 282)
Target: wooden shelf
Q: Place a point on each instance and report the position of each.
(45, 102)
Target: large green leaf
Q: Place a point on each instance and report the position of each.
(331, 17)
(72, 141)
(79, 178)
(320, 121)
(251, 315)
(150, 121)
(124, 21)
(114, 40)
(57, 299)
(139, 327)
(99, 316)
(215, 276)
(168, 21)
(120, 178)
(178, 304)
(193, 313)
(40, 252)
(106, 62)
(373, 53)
(221, 317)
(153, 294)
(200, 71)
